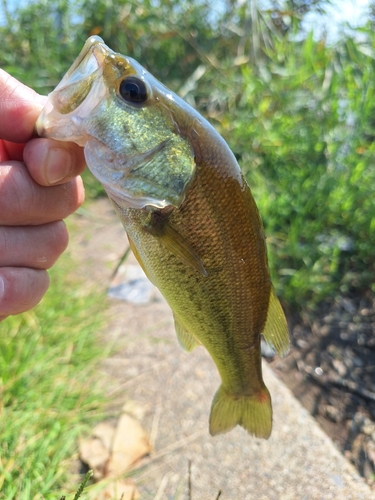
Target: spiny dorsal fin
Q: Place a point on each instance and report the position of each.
(276, 331)
(186, 340)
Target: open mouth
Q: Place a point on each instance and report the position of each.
(78, 93)
(89, 60)
(77, 82)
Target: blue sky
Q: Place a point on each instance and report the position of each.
(352, 11)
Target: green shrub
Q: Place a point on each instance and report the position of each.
(303, 131)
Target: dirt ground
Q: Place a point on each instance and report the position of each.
(331, 370)
(331, 367)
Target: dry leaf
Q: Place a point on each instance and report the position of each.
(134, 409)
(105, 432)
(95, 451)
(112, 451)
(129, 445)
(123, 489)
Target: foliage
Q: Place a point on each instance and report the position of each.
(303, 131)
(48, 394)
(296, 112)
(81, 486)
(39, 43)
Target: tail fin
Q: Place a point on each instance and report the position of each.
(253, 413)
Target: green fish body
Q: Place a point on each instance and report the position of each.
(190, 217)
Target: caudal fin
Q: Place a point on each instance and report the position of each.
(253, 413)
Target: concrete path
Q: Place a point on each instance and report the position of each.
(171, 392)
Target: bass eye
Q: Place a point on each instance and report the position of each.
(133, 90)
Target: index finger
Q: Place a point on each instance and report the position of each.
(19, 109)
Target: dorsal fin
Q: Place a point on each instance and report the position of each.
(276, 331)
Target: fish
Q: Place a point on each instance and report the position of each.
(190, 217)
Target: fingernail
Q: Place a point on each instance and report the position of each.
(2, 290)
(57, 165)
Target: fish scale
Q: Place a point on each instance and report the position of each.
(190, 217)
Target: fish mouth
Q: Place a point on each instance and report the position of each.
(87, 66)
(67, 106)
(84, 63)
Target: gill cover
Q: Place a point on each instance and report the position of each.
(109, 104)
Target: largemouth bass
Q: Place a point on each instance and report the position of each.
(191, 220)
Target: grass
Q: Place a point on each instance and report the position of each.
(81, 486)
(48, 392)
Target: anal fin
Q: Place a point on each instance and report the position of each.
(276, 331)
(186, 340)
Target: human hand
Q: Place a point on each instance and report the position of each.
(38, 188)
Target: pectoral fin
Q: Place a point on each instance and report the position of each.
(176, 244)
(276, 329)
(185, 339)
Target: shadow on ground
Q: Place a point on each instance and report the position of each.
(331, 370)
